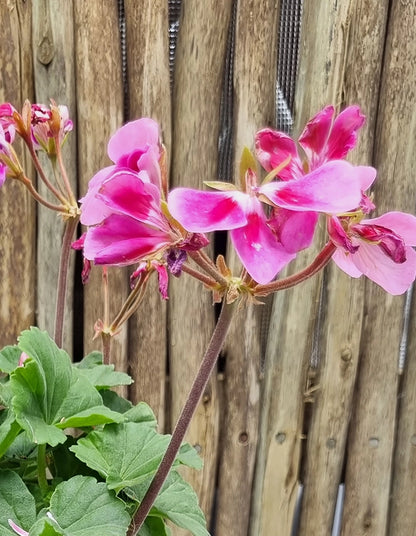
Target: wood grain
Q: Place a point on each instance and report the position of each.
(255, 65)
(368, 483)
(149, 96)
(197, 92)
(100, 113)
(357, 30)
(18, 209)
(54, 69)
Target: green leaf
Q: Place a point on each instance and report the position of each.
(115, 402)
(16, 503)
(82, 506)
(176, 501)
(124, 454)
(44, 527)
(188, 456)
(50, 394)
(141, 413)
(9, 430)
(102, 376)
(91, 360)
(9, 358)
(154, 526)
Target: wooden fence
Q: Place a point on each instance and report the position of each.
(318, 398)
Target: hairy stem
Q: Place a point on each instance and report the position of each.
(321, 260)
(207, 365)
(70, 227)
(42, 481)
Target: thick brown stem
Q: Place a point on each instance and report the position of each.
(197, 389)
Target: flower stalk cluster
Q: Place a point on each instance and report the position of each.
(132, 219)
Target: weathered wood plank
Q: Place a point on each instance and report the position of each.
(100, 113)
(53, 58)
(361, 28)
(368, 474)
(149, 96)
(18, 209)
(255, 66)
(197, 91)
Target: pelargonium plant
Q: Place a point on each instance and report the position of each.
(77, 458)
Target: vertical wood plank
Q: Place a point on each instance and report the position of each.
(18, 210)
(53, 59)
(361, 26)
(100, 113)
(199, 67)
(255, 66)
(368, 474)
(149, 96)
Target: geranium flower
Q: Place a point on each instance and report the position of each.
(322, 140)
(126, 216)
(331, 188)
(380, 248)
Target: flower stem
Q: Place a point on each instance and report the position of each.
(42, 481)
(321, 260)
(208, 281)
(70, 227)
(43, 176)
(208, 266)
(197, 389)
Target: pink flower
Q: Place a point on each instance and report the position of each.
(7, 122)
(332, 188)
(379, 248)
(323, 139)
(123, 207)
(48, 125)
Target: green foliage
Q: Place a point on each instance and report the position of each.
(75, 457)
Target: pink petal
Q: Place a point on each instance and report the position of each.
(377, 266)
(201, 212)
(273, 148)
(343, 136)
(132, 136)
(345, 261)
(339, 236)
(315, 134)
(163, 279)
(94, 210)
(366, 175)
(18, 530)
(259, 250)
(125, 193)
(2, 174)
(400, 222)
(332, 188)
(121, 240)
(294, 229)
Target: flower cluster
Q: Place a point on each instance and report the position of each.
(125, 210)
(269, 221)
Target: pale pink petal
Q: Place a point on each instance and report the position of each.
(294, 229)
(343, 135)
(273, 148)
(200, 212)
(366, 175)
(94, 210)
(149, 161)
(18, 530)
(376, 265)
(135, 135)
(121, 240)
(332, 188)
(400, 222)
(259, 250)
(315, 134)
(345, 261)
